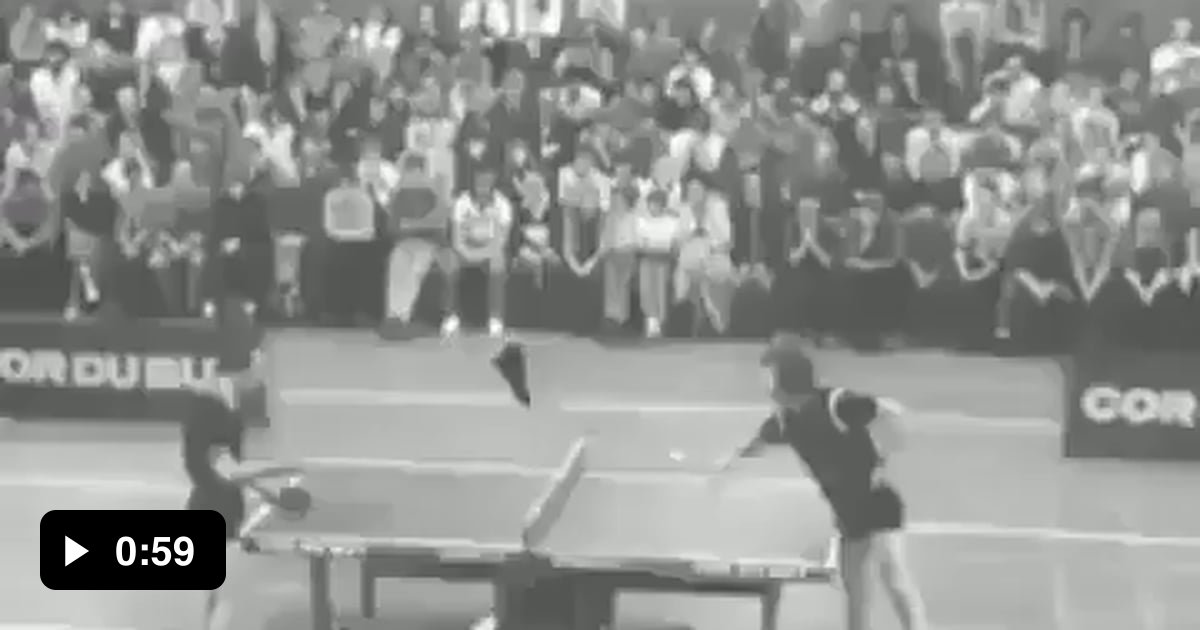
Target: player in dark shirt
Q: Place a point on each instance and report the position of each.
(844, 439)
(212, 429)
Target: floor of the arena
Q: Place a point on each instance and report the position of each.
(1006, 534)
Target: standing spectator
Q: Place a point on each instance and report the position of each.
(658, 229)
(804, 284)
(54, 89)
(241, 246)
(351, 264)
(620, 239)
(704, 273)
(536, 264)
(480, 224)
(584, 193)
(90, 214)
(932, 157)
(117, 27)
(982, 237)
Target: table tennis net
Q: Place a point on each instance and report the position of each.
(549, 507)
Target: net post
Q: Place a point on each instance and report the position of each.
(549, 507)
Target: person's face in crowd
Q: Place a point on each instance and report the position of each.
(1014, 64)
(727, 90)
(484, 182)
(376, 14)
(83, 184)
(1130, 79)
(795, 46)
(638, 37)
(885, 95)
(649, 91)
(377, 109)
(583, 162)
(848, 49)
(835, 81)
(1148, 229)
(898, 23)
(426, 21)
(519, 154)
(127, 99)
(695, 192)
(623, 174)
(514, 86)
(1181, 29)
(56, 57)
(31, 132)
(854, 21)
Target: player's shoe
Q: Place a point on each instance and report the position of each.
(496, 327)
(486, 623)
(450, 326)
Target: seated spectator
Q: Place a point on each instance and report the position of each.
(296, 218)
(1038, 291)
(480, 224)
(349, 221)
(929, 257)
(29, 230)
(536, 263)
(419, 230)
(875, 283)
(1146, 302)
(805, 282)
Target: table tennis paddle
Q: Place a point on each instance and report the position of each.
(511, 364)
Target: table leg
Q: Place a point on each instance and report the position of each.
(595, 606)
(769, 602)
(321, 594)
(366, 589)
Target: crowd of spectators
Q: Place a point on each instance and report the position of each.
(983, 184)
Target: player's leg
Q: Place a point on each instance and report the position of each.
(854, 565)
(889, 554)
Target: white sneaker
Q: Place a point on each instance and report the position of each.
(70, 313)
(495, 327)
(485, 623)
(653, 328)
(209, 310)
(450, 325)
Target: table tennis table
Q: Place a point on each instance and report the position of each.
(558, 544)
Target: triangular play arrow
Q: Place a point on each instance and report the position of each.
(72, 552)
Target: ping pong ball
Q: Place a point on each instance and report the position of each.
(676, 455)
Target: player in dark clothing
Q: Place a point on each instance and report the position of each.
(844, 439)
(213, 428)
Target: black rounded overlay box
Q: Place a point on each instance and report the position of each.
(154, 550)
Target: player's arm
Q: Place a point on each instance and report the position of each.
(770, 433)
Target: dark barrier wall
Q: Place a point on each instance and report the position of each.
(113, 370)
(1133, 406)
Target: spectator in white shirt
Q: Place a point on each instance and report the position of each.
(54, 88)
(275, 138)
(693, 70)
(480, 223)
(68, 27)
(489, 17)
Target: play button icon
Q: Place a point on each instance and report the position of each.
(72, 551)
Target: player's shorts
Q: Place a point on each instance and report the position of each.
(880, 511)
